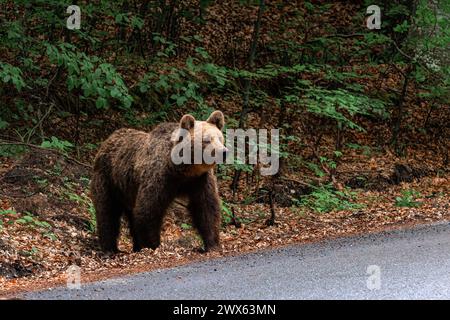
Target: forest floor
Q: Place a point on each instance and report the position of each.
(48, 226)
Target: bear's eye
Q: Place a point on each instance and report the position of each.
(207, 139)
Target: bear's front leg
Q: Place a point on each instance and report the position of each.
(148, 213)
(146, 231)
(204, 207)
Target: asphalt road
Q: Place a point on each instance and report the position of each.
(407, 264)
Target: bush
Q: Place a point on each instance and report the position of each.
(326, 199)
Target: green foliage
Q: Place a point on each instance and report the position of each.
(168, 46)
(328, 162)
(337, 104)
(29, 220)
(96, 79)
(8, 211)
(11, 151)
(12, 75)
(325, 199)
(86, 203)
(32, 252)
(408, 199)
(426, 35)
(178, 86)
(3, 124)
(186, 226)
(57, 144)
(365, 149)
(227, 213)
(4, 213)
(316, 169)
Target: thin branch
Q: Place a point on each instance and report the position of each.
(40, 122)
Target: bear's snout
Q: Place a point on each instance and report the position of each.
(224, 151)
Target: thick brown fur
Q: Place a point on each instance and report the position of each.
(134, 176)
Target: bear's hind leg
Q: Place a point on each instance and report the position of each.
(108, 214)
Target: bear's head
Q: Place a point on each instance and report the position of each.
(199, 144)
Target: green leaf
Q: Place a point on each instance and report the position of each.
(186, 226)
(3, 124)
(101, 103)
(28, 218)
(115, 93)
(401, 28)
(181, 100)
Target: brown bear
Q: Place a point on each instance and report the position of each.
(135, 175)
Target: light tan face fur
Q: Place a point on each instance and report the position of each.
(210, 136)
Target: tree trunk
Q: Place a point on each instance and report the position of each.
(246, 95)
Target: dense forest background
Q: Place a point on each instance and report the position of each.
(359, 110)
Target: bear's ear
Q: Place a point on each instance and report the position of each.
(187, 122)
(216, 118)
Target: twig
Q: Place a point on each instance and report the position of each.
(51, 81)
(297, 181)
(39, 123)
